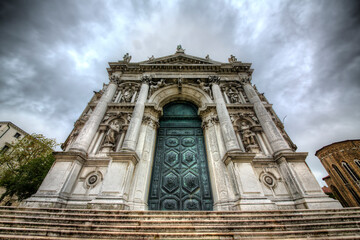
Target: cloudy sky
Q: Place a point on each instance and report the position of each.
(306, 56)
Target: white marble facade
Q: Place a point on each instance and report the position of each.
(107, 158)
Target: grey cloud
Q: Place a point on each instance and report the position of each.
(53, 54)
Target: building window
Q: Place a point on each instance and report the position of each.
(338, 196)
(340, 174)
(17, 135)
(350, 171)
(357, 162)
(5, 148)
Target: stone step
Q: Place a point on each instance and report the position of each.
(183, 235)
(180, 221)
(51, 223)
(178, 238)
(183, 228)
(166, 216)
(128, 212)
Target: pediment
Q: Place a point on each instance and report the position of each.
(178, 59)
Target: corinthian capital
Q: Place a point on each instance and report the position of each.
(114, 79)
(214, 79)
(146, 79)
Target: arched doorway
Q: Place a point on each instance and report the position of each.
(180, 176)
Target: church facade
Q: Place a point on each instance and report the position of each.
(180, 133)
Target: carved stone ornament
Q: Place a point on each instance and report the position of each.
(93, 179)
(114, 79)
(248, 138)
(268, 180)
(205, 87)
(154, 86)
(214, 79)
(210, 121)
(245, 80)
(146, 79)
(232, 59)
(127, 57)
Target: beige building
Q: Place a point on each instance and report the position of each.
(342, 161)
(9, 134)
(180, 133)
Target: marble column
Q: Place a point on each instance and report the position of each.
(277, 142)
(133, 131)
(227, 129)
(224, 192)
(88, 132)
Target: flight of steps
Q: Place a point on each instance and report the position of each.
(56, 223)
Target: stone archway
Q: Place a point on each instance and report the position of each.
(180, 176)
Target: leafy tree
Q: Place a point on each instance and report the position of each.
(24, 166)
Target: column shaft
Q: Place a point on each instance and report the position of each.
(227, 128)
(277, 142)
(133, 131)
(87, 133)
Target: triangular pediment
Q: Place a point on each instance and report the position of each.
(179, 59)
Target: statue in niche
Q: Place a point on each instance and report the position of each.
(232, 59)
(248, 138)
(233, 95)
(127, 95)
(127, 57)
(112, 133)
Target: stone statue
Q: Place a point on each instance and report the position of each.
(127, 57)
(113, 131)
(179, 48)
(127, 95)
(156, 85)
(151, 58)
(205, 88)
(233, 95)
(248, 136)
(207, 57)
(232, 59)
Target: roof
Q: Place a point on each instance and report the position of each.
(316, 153)
(14, 126)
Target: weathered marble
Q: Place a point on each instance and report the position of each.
(88, 132)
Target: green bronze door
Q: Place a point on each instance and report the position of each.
(180, 177)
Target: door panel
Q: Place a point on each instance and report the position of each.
(180, 178)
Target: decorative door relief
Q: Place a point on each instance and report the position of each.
(180, 178)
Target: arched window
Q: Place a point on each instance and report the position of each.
(357, 162)
(350, 171)
(357, 198)
(338, 196)
(340, 174)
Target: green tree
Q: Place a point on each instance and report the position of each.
(24, 166)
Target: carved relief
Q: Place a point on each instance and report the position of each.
(93, 179)
(154, 86)
(127, 92)
(205, 87)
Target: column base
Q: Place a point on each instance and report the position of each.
(317, 203)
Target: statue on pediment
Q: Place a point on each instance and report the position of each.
(179, 48)
(232, 59)
(127, 57)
